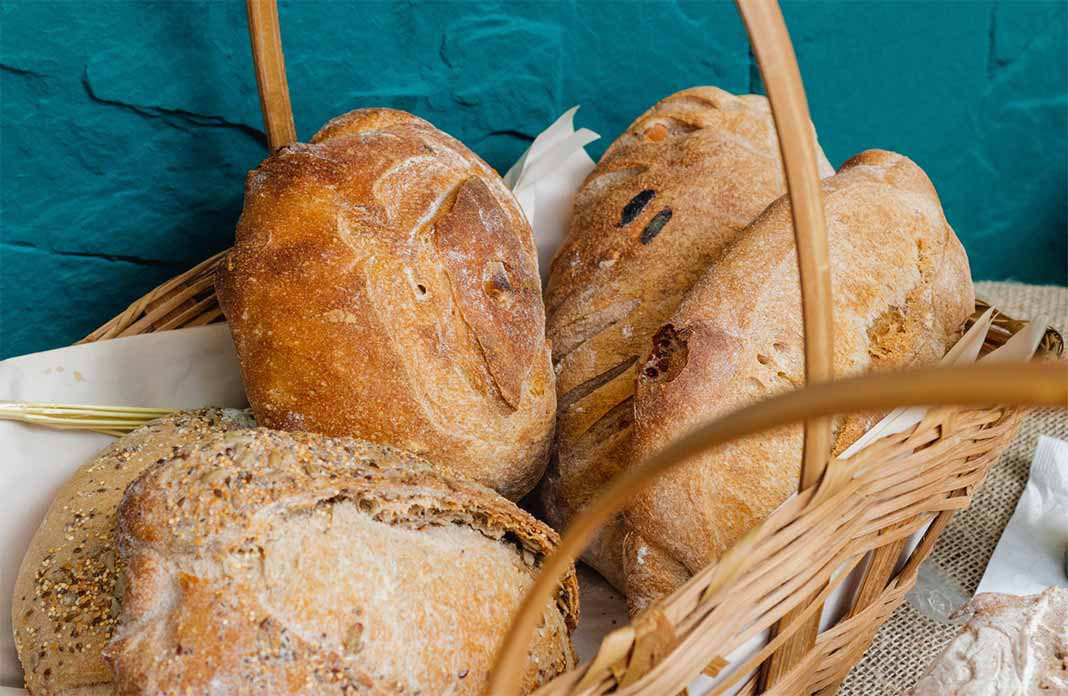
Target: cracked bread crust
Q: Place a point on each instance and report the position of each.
(901, 289)
(683, 180)
(384, 285)
(273, 562)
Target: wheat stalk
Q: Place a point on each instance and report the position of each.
(109, 420)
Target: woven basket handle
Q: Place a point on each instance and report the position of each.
(980, 384)
(797, 140)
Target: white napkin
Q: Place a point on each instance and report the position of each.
(1030, 556)
(188, 368)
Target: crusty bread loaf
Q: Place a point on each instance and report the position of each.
(1010, 645)
(384, 285)
(679, 184)
(66, 594)
(901, 291)
(265, 562)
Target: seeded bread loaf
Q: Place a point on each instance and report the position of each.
(265, 562)
(66, 594)
(384, 285)
(679, 184)
(901, 291)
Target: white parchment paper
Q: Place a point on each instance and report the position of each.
(545, 180)
(188, 368)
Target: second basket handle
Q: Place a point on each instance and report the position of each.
(1035, 384)
(797, 140)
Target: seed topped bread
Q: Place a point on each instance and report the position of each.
(284, 563)
(67, 591)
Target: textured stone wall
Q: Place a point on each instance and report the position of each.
(127, 128)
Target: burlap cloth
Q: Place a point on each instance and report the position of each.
(911, 640)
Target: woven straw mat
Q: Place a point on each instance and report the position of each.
(918, 631)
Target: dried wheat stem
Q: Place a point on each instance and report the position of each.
(109, 420)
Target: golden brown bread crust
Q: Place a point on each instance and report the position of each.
(273, 562)
(384, 285)
(680, 183)
(902, 290)
(66, 595)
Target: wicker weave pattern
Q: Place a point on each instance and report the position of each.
(185, 300)
(904, 481)
(923, 474)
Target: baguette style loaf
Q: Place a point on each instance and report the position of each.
(684, 179)
(266, 562)
(67, 591)
(901, 289)
(384, 285)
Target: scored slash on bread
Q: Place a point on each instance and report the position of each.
(683, 180)
(384, 285)
(273, 562)
(901, 289)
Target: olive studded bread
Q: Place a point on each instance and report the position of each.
(67, 592)
(384, 285)
(683, 180)
(901, 290)
(266, 562)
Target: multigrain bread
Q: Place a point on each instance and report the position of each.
(265, 562)
(678, 185)
(384, 285)
(67, 591)
(1009, 645)
(901, 291)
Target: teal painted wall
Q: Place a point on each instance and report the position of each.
(126, 128)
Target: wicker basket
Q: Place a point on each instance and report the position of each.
(847, 513)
